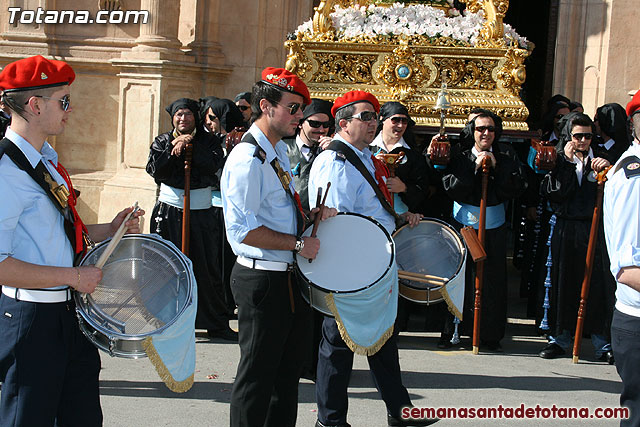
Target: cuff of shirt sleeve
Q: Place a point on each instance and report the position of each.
(628, 257)
(240, 230)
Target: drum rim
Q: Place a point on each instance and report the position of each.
(461, 242)
(386, 271)
(110, 334)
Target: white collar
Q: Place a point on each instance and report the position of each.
(379, 142)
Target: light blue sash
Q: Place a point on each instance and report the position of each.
(470, 215)
(199, 198)
(398, 205)
(216, 198)
(365, 319)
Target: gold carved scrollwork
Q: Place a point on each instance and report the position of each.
(297, 60)
(403, 72)
(343, 68)
(511, 73)
(466, 73)
(492, 32)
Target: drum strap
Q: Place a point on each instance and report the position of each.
(285, 180)
(42, 177)
(340, 147)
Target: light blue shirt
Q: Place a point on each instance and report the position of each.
(31, 228)
(349, 191)
(622, 228)
(252, 196)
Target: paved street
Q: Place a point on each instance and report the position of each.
(132, 394)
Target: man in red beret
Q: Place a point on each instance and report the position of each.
(264, 221)
(622, 230)
(358, 185)
(48, 369)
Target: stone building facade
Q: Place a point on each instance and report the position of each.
(128, 73)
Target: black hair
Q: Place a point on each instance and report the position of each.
(263, 90)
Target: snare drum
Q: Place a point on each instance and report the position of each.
(356, 253)
(147, 284)
(434, 249)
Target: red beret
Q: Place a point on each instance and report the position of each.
(35, 72)
(285, 80)
(634, 104)
(354, 97)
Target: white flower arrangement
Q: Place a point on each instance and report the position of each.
(414, 19)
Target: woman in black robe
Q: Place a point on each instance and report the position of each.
(166, 166)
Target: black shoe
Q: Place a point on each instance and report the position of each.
(319, 424)
(551, 351)
(445, 341)
(493, 346)
(393, 421)
(227, 334)
(607, 356)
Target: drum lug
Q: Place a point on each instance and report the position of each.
(112, 345)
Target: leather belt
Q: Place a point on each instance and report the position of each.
(259, 264)
(38, 295)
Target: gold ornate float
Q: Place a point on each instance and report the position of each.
(485, 71)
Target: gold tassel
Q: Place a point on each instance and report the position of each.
(163, 372)
(356, 348)
(450, 305)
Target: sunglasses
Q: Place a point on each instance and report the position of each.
(580, 136)
(398, 120)
(316, 124)
(212, 117)
(65, 101)
(364, 116)
(481, 129)
(559, 116)
(243, 107)
(293, 107)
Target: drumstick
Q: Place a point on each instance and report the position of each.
(421, 280)
(320, 205)
(116, 238)
(422, 276)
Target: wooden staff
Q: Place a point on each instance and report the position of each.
(186, 206)
(591, 251)
(480, 265)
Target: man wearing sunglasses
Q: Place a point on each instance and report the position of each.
(571, 188)
(356, 114)
(302, 150)
(621, 212)
(264, 220)
(48, 369)
(462, 181)
(243, 102)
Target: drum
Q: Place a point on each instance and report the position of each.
(147, 284)
(434, 250)
(356, 253)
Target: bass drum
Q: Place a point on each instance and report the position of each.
(432, 248)
(146, 285)
(356, 253)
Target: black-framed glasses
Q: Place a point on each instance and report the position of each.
(65, 101)
(243, 107)
(316, 124)
(293, 107)
(579, 136)
(481, 129)
(212, 117)
(398, 120)
(365, 116)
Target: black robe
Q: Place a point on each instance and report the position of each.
(506, 181)
(205, 232)
(573, 205)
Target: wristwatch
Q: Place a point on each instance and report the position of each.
(299, 245)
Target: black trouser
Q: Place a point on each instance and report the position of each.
(625, 341)
(335, 361)
(274, 343)
(48, 369)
